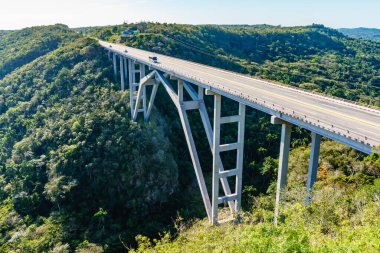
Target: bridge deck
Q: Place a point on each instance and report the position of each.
(355, 125)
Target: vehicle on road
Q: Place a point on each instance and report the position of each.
(153, 59)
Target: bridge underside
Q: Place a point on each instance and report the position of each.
(134, 73)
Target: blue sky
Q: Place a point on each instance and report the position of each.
(16, 14)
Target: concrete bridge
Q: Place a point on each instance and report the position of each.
(355, 125)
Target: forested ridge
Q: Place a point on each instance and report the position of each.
(362, 33)
(76, 175)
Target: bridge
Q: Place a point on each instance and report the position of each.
(354, 125)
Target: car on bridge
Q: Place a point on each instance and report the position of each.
(153, 59)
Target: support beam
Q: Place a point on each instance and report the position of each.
(209, 132)
(169, 89)
(125, 69)
(215, 161)
(313, 164)
(195, 160)
(132, 82)
(219, 174)
(190, 141)
(151, 100)
(122, 73)
(141, 95)
(233, 199)
(239, 157)
(191, 105)
(114, 67)
(144, 100)
(283, 162)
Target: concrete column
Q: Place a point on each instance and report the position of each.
(282, 164)
(122, 73)
(180, 91)
(200, 92)
(114, 67)
(132, 80)
(239, 158)
(125, 68)
(216, 160)
(144, 101)
(313, 164)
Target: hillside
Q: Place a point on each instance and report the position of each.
(344, 216)
(3, 32)
(362, 33)
(311, 57)
(21, 47)
(64, 137)
(76, 175)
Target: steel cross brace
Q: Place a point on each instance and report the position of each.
(134, 83)
(209, 132)
(197, 102)
(146, 80)
(217, 148)
(182, 107)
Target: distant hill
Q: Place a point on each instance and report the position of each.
(3, 32)
(362, 33)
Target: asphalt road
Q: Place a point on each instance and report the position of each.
(347, 118)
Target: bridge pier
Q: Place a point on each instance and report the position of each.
(286, 129)
(313, 164)
(213, 137)
(134, 84)
(125, 69)
(219, 174)
(284, 160)
(122, 76)
(141, 94)
(114, 67)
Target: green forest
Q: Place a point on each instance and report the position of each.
(77, 175)
(362, 33)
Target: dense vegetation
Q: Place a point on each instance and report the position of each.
(72, 166)
(362, 33)
(311, 57)
(77, 176)
(16, 51)
(344, 216)
(3, 32)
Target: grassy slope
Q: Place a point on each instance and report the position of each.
(344, 216)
